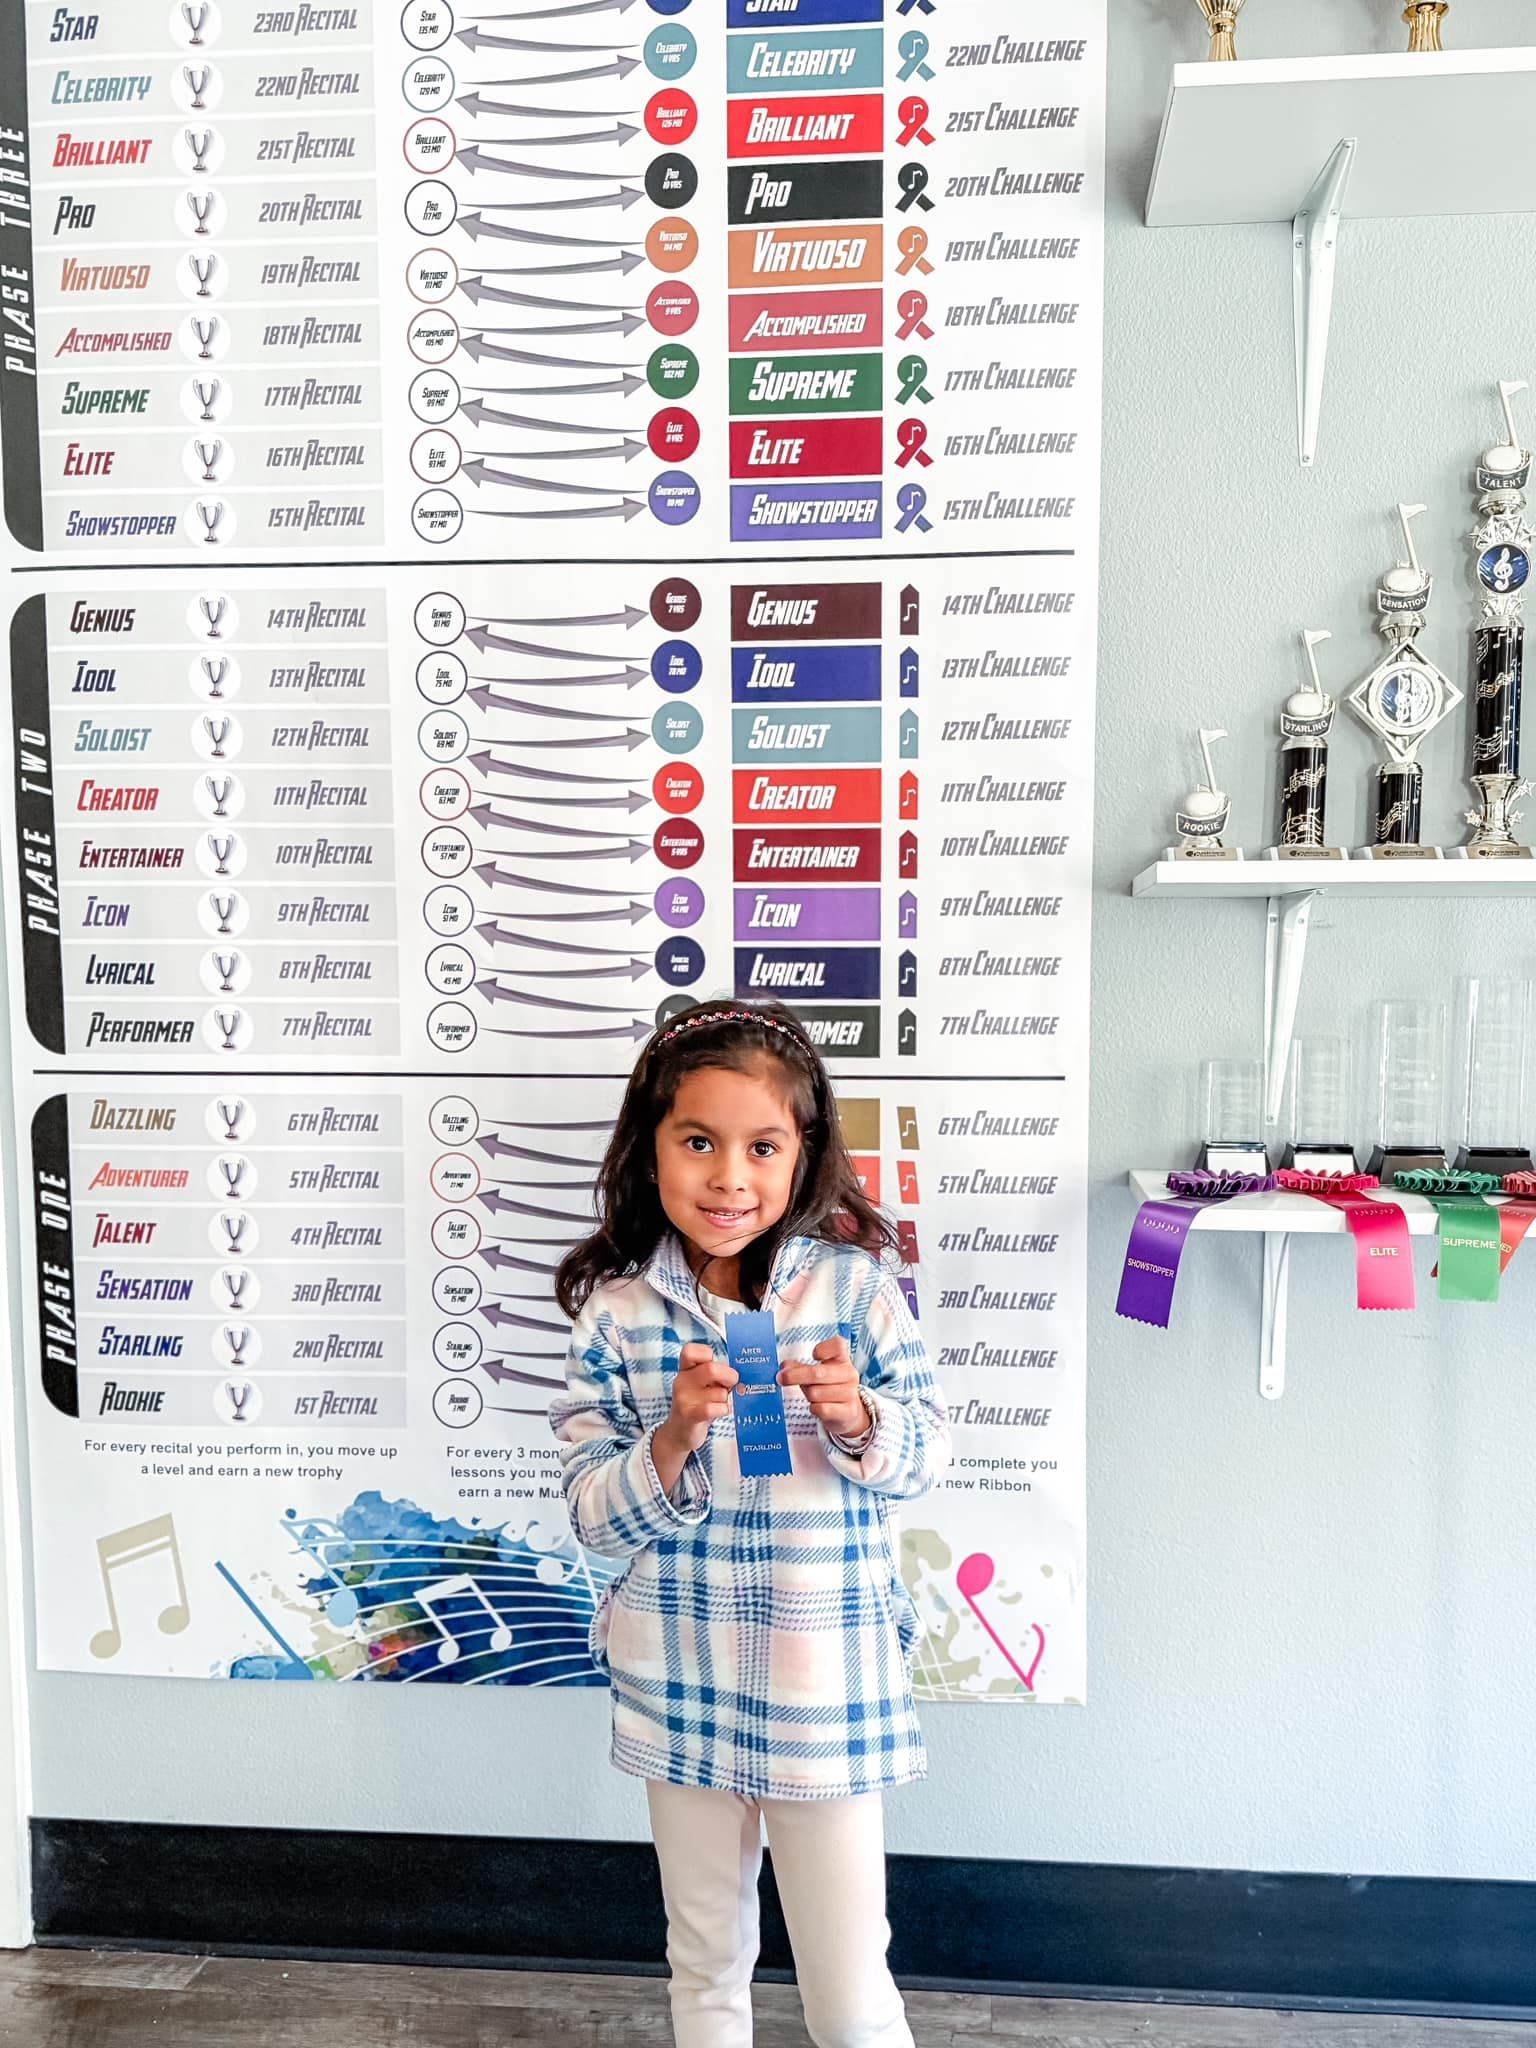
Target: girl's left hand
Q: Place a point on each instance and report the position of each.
(832, 1387)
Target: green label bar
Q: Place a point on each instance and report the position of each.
(805, 384)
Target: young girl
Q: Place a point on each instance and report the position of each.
(758, 1640)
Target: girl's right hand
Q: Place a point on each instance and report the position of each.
(701, 1394)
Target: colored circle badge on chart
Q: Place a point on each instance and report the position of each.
(674, 497)
(676, 666)
(670, 1007)
(679, 961)
(672, 244)
(673, 434)
(670, 52)
(669, 6)
(671, 116)
(679, 843)
(678, 787)
(672, 308)
(679, 904)
(672, 371)
(677, 728)
(676, 604)
(671, 180)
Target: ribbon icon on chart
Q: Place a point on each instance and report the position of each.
(913, 180)
(913, 308)
(913, 114)
(913, 49)
(913, 244)
(911, 502)
(912, 370)
(911, 435)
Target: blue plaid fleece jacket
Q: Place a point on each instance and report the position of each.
(759, 1639)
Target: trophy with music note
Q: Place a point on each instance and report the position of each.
(1202, 817)
(1402, 700)
(1305, 723)
(1504, 542)
(1424, 18)
(1221, 19)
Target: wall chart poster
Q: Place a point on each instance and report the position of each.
(611, 497)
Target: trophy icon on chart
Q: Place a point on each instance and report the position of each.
(235, 1284)
(229, 1022)
(196, 18)
(233, 1114)
(1203, 815)
(228, 965)
(217, 730)
(207, 333)
(196, 78)
(220, 788)
(212, 517)
(225, 909)
(207, 395)
(203, 268)
(222, 850)
(214, 673)
(1424, 18)
(213, 610)
(201, 204)
(199, 145)
(208, 454)
(239, 1396)
(234, 1172)
(234, 1227)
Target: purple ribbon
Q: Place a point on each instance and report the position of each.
(1158, 1236)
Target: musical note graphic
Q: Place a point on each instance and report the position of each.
(312, 1537)
(973, 1578)
(459, 1589)
(133, 1546)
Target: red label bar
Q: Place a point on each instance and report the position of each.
(776, 322)
(805, 611)
(779, 796)
(805, 447)
(795, 856)
(830, 124)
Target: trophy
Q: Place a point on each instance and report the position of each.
(1492, 1040)
(1320, 1108)
(1503, 540)
(1232, 1117)
(1407, 1055)
(1424, 18)
(1222, 17)
(1202, 817)
(1402, 700)
(1305, 723)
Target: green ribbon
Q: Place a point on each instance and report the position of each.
(1470, 1238)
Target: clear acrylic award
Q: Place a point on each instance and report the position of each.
(1407, 1087)
(1232, 1116)
(1321, 1107)
(1492, 1071)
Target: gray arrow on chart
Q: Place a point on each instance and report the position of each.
(477, 285)
(627, 385)
(620, 133)
(483, 637)
(631, 615)
(620, 67)
(498, 1148)
(537, 709)
(482, 415)
(635, 971)
(628, 509)
(474, 159)
(538, 49)
(490, 874)
(495, 1313)
(473, 100)
(627, 195)
(636, 913)
(500, 1204)
(476, 345)
(493, 1255)
(635, 801)
(633, 851)
(636, 1033)
(538, 239)
(497, 935)
(534, 774)
(621, 323)
(484, 693)
(488, 818)
(494, 1368)
(492, 764)
(610, 451)
(481, 473)
(558, 13)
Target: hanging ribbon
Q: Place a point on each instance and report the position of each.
(1471, 1236)
(1383, 1247)
(1158, 1236)
(1517, 1216)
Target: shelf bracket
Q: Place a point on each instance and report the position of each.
(1285, 957)
(1275, 1311)
(1315, 250)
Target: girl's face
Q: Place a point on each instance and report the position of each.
(725, 1158)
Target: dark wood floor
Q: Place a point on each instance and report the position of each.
(56, 1998)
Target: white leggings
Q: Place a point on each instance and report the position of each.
(829, 1863)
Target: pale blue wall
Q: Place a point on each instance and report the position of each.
(1312, 1635)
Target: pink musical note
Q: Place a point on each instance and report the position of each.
(973, 1578)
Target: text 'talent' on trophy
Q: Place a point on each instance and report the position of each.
(1502, 546)
(1402, 700)
(1221, 19)
(1202, 817)
(1306, 720)
(1424, 18)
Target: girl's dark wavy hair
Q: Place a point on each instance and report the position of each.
(825, 1201)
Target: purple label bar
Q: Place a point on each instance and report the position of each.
(806, 513)
(814, 914)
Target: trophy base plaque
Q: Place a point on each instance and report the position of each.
(1400, 853)
(1493, 1159)
(1202, 853)
(1235, 1157)
(1305, 853)
(1388, 1160)
(1510, 852)
(1320, 1159)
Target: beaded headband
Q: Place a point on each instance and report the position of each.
(736, 1017)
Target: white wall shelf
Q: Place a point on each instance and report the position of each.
(1491, 880)
(1314, 141)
